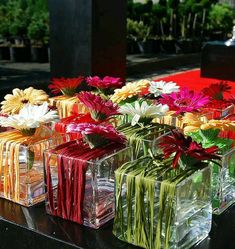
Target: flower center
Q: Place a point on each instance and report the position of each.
(159, 88)
(24, 101)
(182, 102)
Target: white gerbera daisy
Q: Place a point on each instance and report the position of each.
(29, 117)
(143, 110)
(161, 87)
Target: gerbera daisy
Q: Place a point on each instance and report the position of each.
(192, 122)
(143, 111)
(184, 101)
(223, 125)
(29, 118)
(130, 91)
(14, 102)
(67, 86)
(216, 91)
(106, 82)
(97, 135)
(179, 146)
(157, 88)
(100, 109)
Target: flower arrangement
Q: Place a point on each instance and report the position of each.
(66, 86)
(88, 181)
(219, 105)
(142, 112)
(97, 135)
(99, 108)
(65, 103)
(210, 134)
(129, 92)
(30, 118)
(14, 102)
(106, 85)
(155, 193)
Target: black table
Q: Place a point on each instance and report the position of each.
(32, 228)
(218, 61)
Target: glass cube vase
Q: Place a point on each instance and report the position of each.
(81, 190)
(223, 182)
(67, 105)
(174, 120)
(21, 165)
(153, 213)
(221, 112)
(143, 138)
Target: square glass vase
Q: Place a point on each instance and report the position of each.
(86, 199)
(21, 166)
(223, 182)
(220, 113)
(177, 120)
(143, 139)
(67, 105)
(145, 219)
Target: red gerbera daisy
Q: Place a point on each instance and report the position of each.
(177, 143)
(97, 135)
(184, 101)
(216, 91)
(66, 86)
(100, 109)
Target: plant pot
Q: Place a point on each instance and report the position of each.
(80, 185)
(196, 46)
(168, 46)
(155, 211)
(184, 46)
(4, 53)
(20, 54)
(132, 47)
(21, 158)
(149, 46)
(39, 54)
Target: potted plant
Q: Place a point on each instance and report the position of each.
(4, 34)
(38, 33)
(19, 20)
(132, 47)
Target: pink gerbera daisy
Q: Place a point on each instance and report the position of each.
(66, 86)
(106, 84)
(100, 109)
(97, 135)
(184, 101)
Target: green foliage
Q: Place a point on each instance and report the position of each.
(137, 30)
(221, 17)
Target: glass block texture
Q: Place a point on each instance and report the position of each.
(223, 182)
(67, 105)
(191, 213)
(143, 139)
(220, 113)
(177, 120)
(97, 206)
(21, 169)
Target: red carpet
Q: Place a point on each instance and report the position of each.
(193, 80)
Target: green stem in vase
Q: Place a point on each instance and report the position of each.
(30, 159)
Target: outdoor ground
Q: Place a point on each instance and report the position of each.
(22, 75)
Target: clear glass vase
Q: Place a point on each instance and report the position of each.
(174, 120)
(67, 105)
(223, 182)
(143, 138)
(95, 187)
(21, 165)
(220, 113)
(153, 213)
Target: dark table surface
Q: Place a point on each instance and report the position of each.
(32, 228)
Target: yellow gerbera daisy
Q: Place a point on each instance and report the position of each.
(14, 102)
(129, 90)
(193, 122)
(224, 125)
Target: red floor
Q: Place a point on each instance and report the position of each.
(193, 80)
